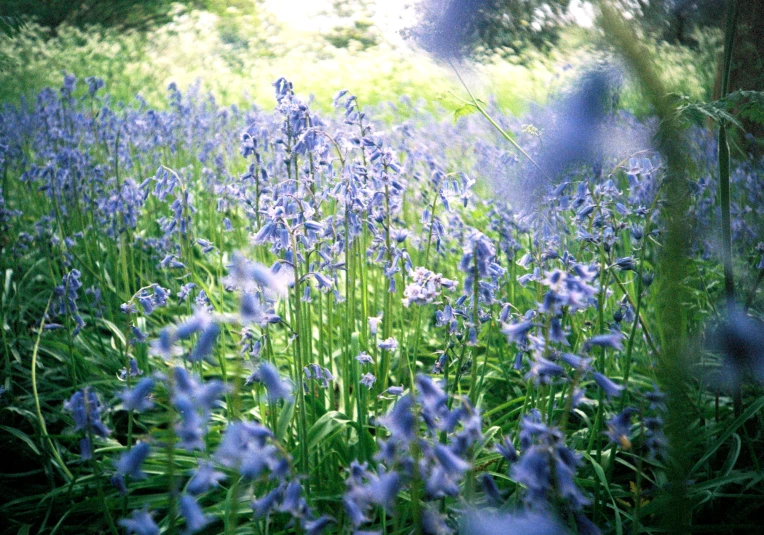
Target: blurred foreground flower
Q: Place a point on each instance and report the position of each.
(447, 27)
(740, 340)
(485, 523)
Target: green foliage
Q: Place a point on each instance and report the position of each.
(508, 27)
(123, 14)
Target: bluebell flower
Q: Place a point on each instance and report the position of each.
(390, 344)
(208, 394)
(431, 396)
(547, 468)
(608, 386)
(185, 291)
(138, 399)
(354, 511)
(448, 26)
(322, 375)
(384, 490)
(66, 296)
(517, 332)
(192, 325)
(86, 449)
(507, 450)
(139, 337)
(190, 431)
(656, 398)
(612, 340)
(364, 358)
(245, 447)
(400, 420)
(627, 263)
(395, 390)
(741, 341)
(656, 442)
(206, 343)
(520, 523)
(264, 505)
(134, 371)
(193, 514)
(140, 523)
(129, 463)
(451, 463)
(164, 345)
(86, 411)
(204, 478)
(94, 84)
(292, 500)
(556, 332)
(576, 362)
(368, 380)
(276, 387)
(492, 492)
(543, 370)
(619, 428)
(316, 526)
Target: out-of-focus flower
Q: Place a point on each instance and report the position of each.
(140, 523)
(204, 478)
(86, 411)
(490, 523)
(740, 340)
(129, 463)
(447, 27)
(193, 514)
(276, 387)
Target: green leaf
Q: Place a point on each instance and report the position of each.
(729, 464)
(285, 418)
(326, 427)
(752, 409)
(462, 111)
(606, 485)
(21, 436)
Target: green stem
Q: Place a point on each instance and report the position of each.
(40, 419)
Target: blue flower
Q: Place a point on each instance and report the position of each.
(206, 343)
(138, 399)
(384, 490)
(507, 450)
(129, 463)
(390, 344)
(612, 340)
(315, 527)
(449, 26)
(364, 358)
(741, 341)
(204, 478)
(192, 513)
(276, 387)
(490, 523)
(368, 380)
(517, 332)
(619, 428)
(190, 430)
(400, 420)
(451, 463)
(264, 505)
(141, 523)
(609, 387)
(86, 411)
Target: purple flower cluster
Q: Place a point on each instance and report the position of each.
(86, 410)
(434, 461)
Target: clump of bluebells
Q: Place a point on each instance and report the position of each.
(427, 452)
